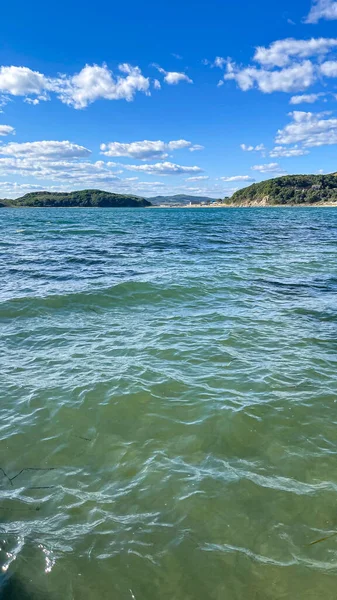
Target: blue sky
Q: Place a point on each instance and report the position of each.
(163, 98)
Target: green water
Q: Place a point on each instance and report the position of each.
(172, 375)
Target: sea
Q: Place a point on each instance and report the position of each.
(168, 404)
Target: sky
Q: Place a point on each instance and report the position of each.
(156, 98)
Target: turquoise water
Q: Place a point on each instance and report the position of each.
(168, 404)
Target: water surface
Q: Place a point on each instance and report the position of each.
(168, 404)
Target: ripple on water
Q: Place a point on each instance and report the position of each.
(168, 404)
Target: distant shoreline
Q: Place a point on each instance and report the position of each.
(304, 205)
(198, 206)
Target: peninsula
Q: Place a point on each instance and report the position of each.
(78, 199)
(292, 190)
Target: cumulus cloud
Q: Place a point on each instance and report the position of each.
(198, 178)
(282, 52)
(146, 149)
(10, 189)
(290, 79)
(142, 150)
(62, 166)
(287, 65)
(173, 77)
(6, 130)
(329, 68)
(81, 172)
(90, 84)
(322, 9)
(279, 151)
(164, 168)
(151, 184)
(196, 147)
(306, 98)
(268, 168)
(53, 160)
(219, 62)
(35, 101)
(309, 129)
(45, 149)
(258, 148)
(180, 144)
(95, 82)
(21, 81)
(237, 178)
(289, 53)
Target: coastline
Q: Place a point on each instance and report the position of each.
(258, 205)
(179, 207)
(198, 206)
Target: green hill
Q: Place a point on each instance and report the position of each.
(290, 189)
(82, 199)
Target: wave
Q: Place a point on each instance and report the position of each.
(130, 293)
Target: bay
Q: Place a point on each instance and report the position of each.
(168, 403)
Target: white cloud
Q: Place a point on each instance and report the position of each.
(95, 82)
(282, 151)
(70, 173)
(83, 172)
(198, 178)
(33, 101)
(90, 84)
(173, 77)
(309, 129)
(45, 149)
(282, 52)
(329, 68)
(156, 84)
(268, 168)
(142, 150)
(291, 79)
(237, 178)
(219, 62)
(146, 184)
(10, 189)
(163, 168)
(54, 161)
(287, 65)
(146, 149)
(259, 148)
(196, 147)
(6, 130)
(306, 98)
(322, 9)
(21, 81)
(3, 101)
(179, 144)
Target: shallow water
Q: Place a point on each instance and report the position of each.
(168, 404)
